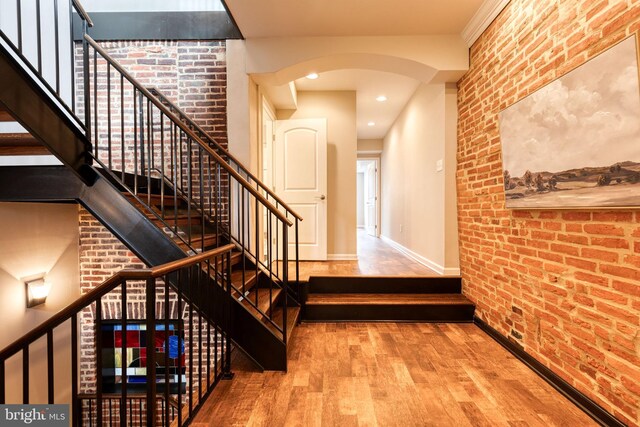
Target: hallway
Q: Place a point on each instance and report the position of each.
(375, 258)
(390, 374)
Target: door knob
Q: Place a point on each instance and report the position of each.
(322, 197)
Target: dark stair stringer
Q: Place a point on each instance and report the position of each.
(134, 229)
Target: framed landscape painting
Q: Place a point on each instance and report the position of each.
(576, 142)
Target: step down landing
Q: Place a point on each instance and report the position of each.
(366, 299)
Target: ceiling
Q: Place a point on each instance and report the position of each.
(328, 18)
(368, 85)
(299, 18)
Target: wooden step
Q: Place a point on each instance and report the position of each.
(250, 279)
(21, 144)
(389, 307)
(172, 220)
(293, 314)
(385, 284)
(265, 300)
(6, 117)
(210, 241)
(155, 199)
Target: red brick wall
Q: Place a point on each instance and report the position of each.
(564, 285)
(193, 75)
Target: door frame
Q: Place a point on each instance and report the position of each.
(376, 159)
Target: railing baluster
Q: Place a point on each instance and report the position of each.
(162, 175)
(86, 80)
(167, 381)
(202, 213)
(96, 140)
(122, 134)
(50, 370)
(56, 40)
(151, 344)
(72, 58)
(19, 23)
(75, 407)
(123, 352)
(2, 383)
(135, 142)
(98, 341)
(190, 310)
(39, 35)
(109, 133)
(25, 374)
(180, 335)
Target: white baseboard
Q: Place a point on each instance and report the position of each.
(420, 259)
(342, 257)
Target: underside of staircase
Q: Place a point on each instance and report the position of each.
(153, 218)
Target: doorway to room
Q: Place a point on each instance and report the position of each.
(368, 196)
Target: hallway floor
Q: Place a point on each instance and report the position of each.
(390, 374)
(375, 258)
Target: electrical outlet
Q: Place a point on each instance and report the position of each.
(401, 228)
(439, 166)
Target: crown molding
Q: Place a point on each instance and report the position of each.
(482, 19)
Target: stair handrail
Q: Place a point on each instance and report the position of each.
(188, 131)
(101, 290)
(168, 274)
(154, 90)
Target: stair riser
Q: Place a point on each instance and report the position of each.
(390, 313)
(395, 285)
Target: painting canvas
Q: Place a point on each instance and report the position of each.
(576, 142)
(135, 357)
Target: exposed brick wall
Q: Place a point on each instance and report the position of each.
(564, 285)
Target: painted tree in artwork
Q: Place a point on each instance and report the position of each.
(507, 179)
(528, 178)
(539, 183)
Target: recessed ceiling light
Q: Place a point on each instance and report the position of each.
(381, 98)
(371, 124)
(312, 76)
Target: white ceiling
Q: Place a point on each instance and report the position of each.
(368, 85)
(299, 18)
(326, 18)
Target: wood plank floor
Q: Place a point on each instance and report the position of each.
(390, 374)
(375, 258)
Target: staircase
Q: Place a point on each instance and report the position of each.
(217, 239)
(395, 299)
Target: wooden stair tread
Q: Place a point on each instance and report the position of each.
(21, 144)
(155, 199)
(249, 279)
(293, 314)
(264, 302)
(388, 299)
(197, 242)
(6, 117)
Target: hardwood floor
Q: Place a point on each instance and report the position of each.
(390, 374)
(375, 258)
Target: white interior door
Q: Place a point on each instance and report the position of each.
(370, 198)
(301, 180)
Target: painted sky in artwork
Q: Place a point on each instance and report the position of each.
(589, 117)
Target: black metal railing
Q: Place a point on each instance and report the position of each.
(191, 354)
(187, 187)
(36, 33)
(256, 183)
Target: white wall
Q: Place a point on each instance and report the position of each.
(418, 201)
(37, 238)
(339, 108)
(152, 5)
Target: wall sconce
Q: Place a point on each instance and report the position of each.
(37, 291)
